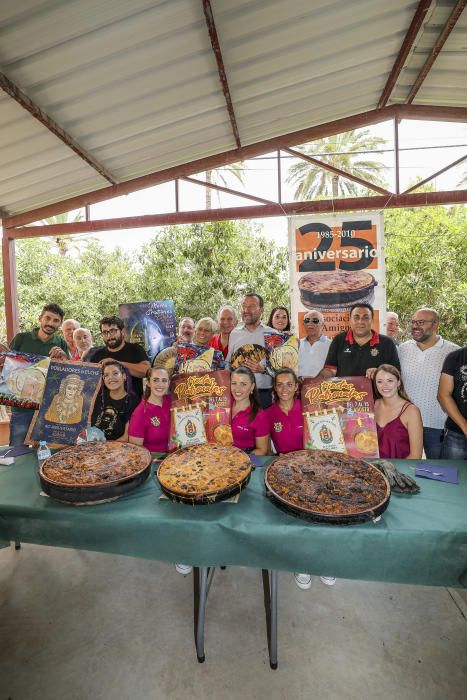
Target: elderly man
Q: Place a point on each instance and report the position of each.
(252, 332)
(226, 320)
(360, 350)
(115, 347)
(186, 330)
(314, 346)
(452, 395)
(43, 340)
(392, 326)
(82, 338)
(422, 360)
(68, 328)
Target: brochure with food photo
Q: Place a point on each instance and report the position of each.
(209, 393)
(352, 400)
(197, 358)
(282, 351)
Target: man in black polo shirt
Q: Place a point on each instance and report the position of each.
(360, 350)
(131, 355)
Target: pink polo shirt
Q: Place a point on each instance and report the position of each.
(152, 423)
(245, 433)
(286, 429)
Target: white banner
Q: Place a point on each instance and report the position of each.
(336, 261)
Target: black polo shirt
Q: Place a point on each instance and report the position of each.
(350, 359)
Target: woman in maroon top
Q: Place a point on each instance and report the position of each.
(398, 421)
(250, 426)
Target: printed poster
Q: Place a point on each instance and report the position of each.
(336, 261)
(197, 358)
(22, 379)
(210, 394)
(151, 324)
(67, 402)
(351, 400)
(282, 351)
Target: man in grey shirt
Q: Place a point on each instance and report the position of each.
(252, 331)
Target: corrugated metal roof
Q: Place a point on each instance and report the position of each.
(136, 83)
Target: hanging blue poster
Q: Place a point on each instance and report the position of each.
(151, 324)
(67, 402)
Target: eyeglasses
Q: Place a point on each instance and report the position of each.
(311, 320)
(419, 323)
(111, 331)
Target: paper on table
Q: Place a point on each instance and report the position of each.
(433, 471)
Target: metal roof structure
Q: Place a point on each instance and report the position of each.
(100, 98)
(99, 92)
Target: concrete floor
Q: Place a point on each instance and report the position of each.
(80, 626)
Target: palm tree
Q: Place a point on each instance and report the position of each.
(343, 151)
(217, 177)
(66, 243)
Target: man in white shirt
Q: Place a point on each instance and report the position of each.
(252, 331)
(421, 363)
(314, 347)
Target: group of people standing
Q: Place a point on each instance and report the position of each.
(416, 383)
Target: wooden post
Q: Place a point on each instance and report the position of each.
(9, 285)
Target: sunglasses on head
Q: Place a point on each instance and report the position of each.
(311, 320)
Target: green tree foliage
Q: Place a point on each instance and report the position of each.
(426, 265)
(203, 266)
(343, 151)
(200, 267)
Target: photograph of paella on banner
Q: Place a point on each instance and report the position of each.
(67, 403)
(206, 396)
(336, 261)
(338, 415)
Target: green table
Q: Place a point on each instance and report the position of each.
(420, 539)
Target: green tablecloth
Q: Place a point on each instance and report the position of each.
(420, 539)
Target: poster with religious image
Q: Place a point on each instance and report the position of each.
(22, 379)
(151, 324)
(352, 400)
(197, 358)
(210, 393)
(69, 394)
(336, 261)
(282, 351)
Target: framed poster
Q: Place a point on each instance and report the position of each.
(335, 262)
(151, 324)
(67, 403)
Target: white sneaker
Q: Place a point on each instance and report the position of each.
(303, 581)
(183, 569)
(328, 580)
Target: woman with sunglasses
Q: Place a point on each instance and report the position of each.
(314, 347)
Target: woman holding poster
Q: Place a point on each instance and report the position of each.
(398, 421)
(285, 415)
(250, 428)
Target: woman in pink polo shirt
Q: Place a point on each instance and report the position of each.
(250, 428)
(150, 421)
(285, 415)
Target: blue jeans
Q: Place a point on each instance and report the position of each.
(454, 445)
(432, 442)
(19, 425)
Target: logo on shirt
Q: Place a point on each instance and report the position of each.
(347, 350)
(374, 352)
(278, 427)
(155, 421)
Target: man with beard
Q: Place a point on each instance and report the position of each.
(42, 340)
(360, 350)
(422, 361)
(115, 347)
(252, 332)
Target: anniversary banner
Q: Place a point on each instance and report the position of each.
(336, 261)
